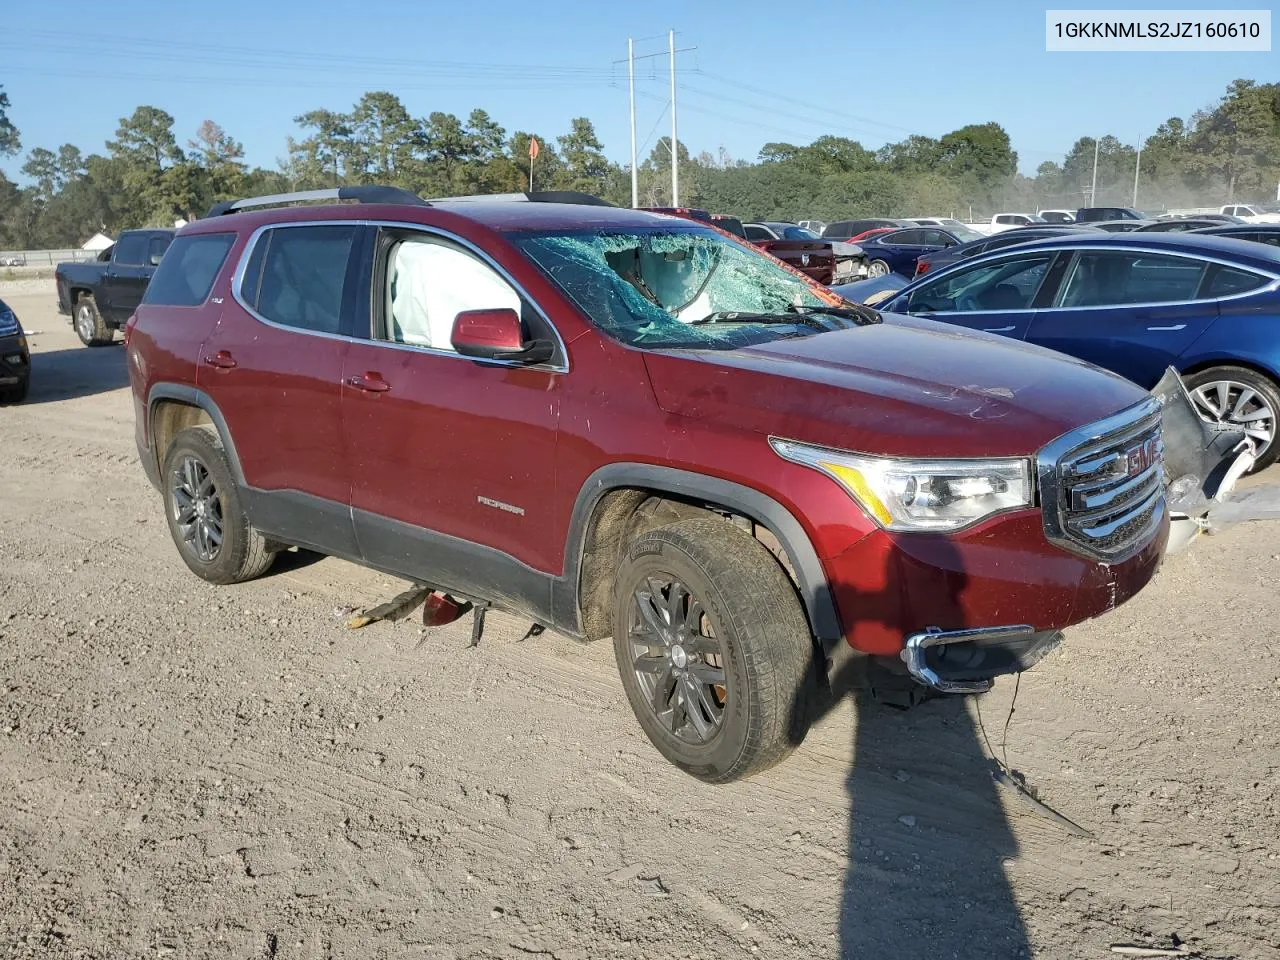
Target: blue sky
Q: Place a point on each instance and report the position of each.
(873, 72)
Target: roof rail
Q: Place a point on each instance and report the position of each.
(360, 194)
(536, 196)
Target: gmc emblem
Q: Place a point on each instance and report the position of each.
(804, 259)
(1141, 458)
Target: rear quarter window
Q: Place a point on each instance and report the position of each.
(1227, 281)
(187, 271)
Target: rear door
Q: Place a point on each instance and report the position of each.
(1129, 311)
(995, 296)
(274, 365)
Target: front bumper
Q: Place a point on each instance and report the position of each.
(1002, 578)
(15, 360)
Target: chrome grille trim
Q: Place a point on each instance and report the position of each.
(1089, 506)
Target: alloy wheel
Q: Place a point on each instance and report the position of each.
(678, 662)
(877, 269)
(1230, 401)
(197, 508)
(84, 322)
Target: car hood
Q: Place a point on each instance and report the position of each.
(906, 387)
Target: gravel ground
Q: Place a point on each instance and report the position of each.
(195, 771)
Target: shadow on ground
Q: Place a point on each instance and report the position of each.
(77, 372)
(928, 836)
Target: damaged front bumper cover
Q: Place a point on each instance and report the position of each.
(966, 661)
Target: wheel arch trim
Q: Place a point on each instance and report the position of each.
(192, 397)
(814, 588)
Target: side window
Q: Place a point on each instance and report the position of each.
(1107, 278)
(1006, 285)
(758, 233)
(906, 237)
(185, 276)
(429, 282)
(156, 248)
(935, 238)
(1225, 281)
(297, 276)
(131, 250)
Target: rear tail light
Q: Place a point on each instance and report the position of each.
(922, 266)
(128, 328)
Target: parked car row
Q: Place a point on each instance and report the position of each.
(1205, 302)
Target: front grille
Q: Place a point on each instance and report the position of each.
(1102, 486)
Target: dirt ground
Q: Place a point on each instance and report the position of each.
(194, 771)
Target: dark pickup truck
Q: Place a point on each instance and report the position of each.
(101, 296)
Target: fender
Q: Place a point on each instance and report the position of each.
(815, 591)
(195, 398)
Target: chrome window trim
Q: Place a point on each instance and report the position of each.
(974, 261)
(237, 279)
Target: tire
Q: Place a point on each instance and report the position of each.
(754, 638)
(90, 328)
(196, 463)
(15, 394)
(878, 268)
(1210, 388)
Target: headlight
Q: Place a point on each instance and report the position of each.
(914, 495)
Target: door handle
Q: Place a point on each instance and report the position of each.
(1176, 326)
(998, 329)
(222, 360)
(370, 383)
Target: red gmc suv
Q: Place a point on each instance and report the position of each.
(625, 425)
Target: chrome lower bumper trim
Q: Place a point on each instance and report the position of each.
(913, 655)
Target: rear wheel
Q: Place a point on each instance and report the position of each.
(713, 648)
(878, 268)
(90, 328)
(1243, 398)
(206, 519)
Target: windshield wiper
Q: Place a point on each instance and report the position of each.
(858, 313)
(790, 319)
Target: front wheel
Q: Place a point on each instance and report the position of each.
(1243, 398)
(714, 649)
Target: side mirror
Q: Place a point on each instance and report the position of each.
(496, 335)
(155, 259)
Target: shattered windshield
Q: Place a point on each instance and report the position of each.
(685, 287)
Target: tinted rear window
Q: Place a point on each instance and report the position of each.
(190, 265)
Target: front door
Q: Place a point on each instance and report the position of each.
(1131, 312)
(998, 296)
(273, 366)
(453, 459)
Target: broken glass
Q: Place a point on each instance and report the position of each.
(650, 288)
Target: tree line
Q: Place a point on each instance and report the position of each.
(149, 175)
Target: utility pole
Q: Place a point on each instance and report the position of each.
(631, 85)
(1093, 190)
(1137, 169)
(675, 143)
(631, 80)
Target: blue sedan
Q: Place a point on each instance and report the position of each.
(1134, 303)
(897, 252)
